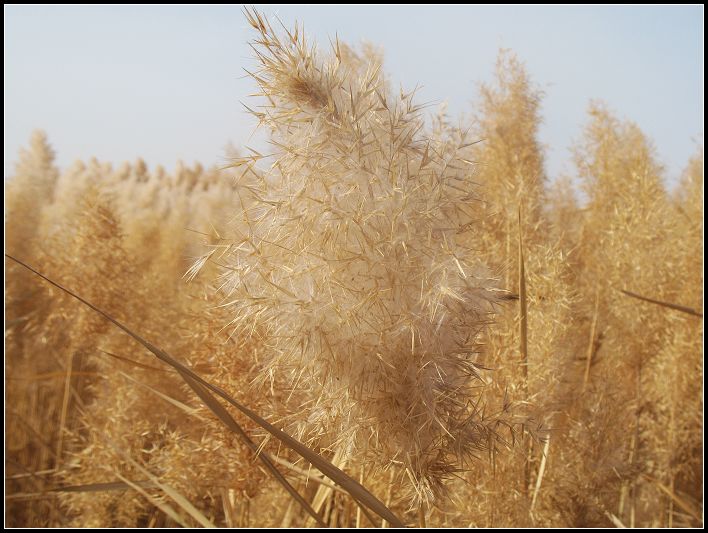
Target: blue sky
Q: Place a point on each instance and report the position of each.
(166, 82)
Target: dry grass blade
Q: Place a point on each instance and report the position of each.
(134, 363)
(101, 487)
(199, 385)
(676, 307)
(182, 406)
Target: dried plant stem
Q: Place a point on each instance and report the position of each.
(523, 319)
(676, 307)
(64, 410)
(348, 512)
(153, 518)
(324, 492)
(228, 507)
(591, 342)
(245, 512)
(492, 512)
(421, 516)
(625, 486)
(622, 498)
(672, 444)
(389, 493)
(358, 509)
(307, 475)
(288, 516)
(541, 470)
(671, 502)
(508, 253)
(328, 507)
(637, 433)
(333, 518)
(616, 521)
(523, 348)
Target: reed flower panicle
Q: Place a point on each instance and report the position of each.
(348, 263)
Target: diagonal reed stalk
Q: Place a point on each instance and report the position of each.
(202, 388)
(676, 307)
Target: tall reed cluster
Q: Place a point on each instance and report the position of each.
(416, 304)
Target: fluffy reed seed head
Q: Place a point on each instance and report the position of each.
(348, 263)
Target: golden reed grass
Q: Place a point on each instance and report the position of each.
(384, 320)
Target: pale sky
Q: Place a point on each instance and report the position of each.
(165, 82)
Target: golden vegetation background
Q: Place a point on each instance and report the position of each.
(415, 302)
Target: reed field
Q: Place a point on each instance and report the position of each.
(383, 321)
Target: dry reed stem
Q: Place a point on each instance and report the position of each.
(64, 411)
(541, 471)
(616, 521)
(389, 494)
(523, 318)
(421, 517)
(523, 348)
(358, 509)
(228, 508)
(591, 343)
(324, 491)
